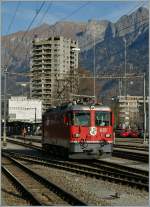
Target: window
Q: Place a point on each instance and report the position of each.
(81, 118)
(78, 118)
(56, 38)
(102, 118)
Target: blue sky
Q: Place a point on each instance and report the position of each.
(62, 10)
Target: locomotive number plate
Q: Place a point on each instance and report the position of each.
(103, 130)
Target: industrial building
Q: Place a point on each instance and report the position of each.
(54, 66)
(131, 110)
(22, 109)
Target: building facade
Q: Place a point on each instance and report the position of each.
(131, 110)
(54, 66)
(22, 109)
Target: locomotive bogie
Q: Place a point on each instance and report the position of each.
(89, 150)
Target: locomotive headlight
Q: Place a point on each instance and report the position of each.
(76, 135)
(108, 135)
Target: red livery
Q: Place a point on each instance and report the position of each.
(78, 131)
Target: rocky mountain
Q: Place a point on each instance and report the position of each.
(110, 42)
(109, 39)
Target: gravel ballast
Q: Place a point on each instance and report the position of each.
(94, 191)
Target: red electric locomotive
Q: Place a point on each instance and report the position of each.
(79, 131)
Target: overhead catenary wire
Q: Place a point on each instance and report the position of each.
(61, 19)
(41, 20)
(72, 13)
(99, 76)
(118, 31)
(134, 8)
(45, 13)
(76, 10)
(98, 38)
(51, 27)
(128, 13)
(11, 23)
(124, 28)
(120, 51)
(13, 17)
(23, 36)
(110, 54)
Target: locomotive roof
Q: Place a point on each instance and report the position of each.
(89, 107)
(77, 107)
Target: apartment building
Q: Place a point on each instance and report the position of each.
(54, 66)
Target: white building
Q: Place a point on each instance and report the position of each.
(20, 108)
(130, 109)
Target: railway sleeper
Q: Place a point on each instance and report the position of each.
(61, 192)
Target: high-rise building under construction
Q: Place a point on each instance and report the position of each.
(54, 66)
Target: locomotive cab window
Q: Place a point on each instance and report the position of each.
(81, 118)
(103, 118)
(77, 118)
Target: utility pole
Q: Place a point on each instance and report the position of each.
(5, 106)
(125, 67)
(75, 79)
(94, 70)
(34, 124)
(144, 106)
(35, 119)
(125, 80)
(120, 86)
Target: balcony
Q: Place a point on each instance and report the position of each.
(46, 47)
(39, 55)
(48, 77)
(36, 93)
(37, 50)
(47, 93)
(37, 58)
(47, 64)
(35, 70)
(34, 79)
(37, 62)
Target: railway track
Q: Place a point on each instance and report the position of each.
(129, 140)
(39, 148)
(131, 155)
(122, 153)
(103, 171)
(31, 139)
(37, 188)
(134, 147)
(123, 168)
(25, 193)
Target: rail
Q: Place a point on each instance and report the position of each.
(66, 196)
(106, 173)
